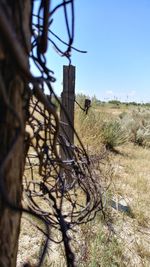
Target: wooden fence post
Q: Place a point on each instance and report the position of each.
(67, 100)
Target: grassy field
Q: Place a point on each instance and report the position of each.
(122, 238)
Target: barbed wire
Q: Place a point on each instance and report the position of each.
(61, 193)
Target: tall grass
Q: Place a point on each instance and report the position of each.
(89, 128)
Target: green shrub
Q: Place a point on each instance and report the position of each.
(114, 102)
(113, 134)
(137, 124)
(143, 136)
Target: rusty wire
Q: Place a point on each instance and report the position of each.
(61, 193)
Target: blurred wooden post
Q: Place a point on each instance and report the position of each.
(67, 100)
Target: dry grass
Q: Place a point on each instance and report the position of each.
(132, 182)
(126, 241)
(132, 179)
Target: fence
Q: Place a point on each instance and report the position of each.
(44, 184)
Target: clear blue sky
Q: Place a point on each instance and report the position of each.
(116, 34)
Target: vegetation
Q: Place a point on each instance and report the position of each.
(121, 238)
(113, 134)
(102, 126)
(126, 128)
(137, 124)
(101, 250)
(115, 102)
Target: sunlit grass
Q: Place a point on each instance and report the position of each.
(95, 245)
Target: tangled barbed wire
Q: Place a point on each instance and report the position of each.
(60, 192)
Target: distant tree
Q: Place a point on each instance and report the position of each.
(133, 103)
(114, 102)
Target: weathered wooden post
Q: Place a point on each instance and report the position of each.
(13, 116)
(67, 100)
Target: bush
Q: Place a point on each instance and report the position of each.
(114, 102)
(137, 124)
(113, 134)
(143, 136)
